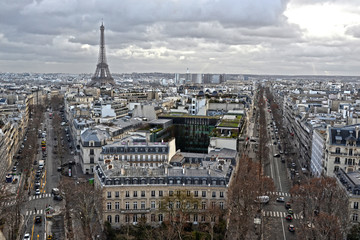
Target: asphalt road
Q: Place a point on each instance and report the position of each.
(275, 226)
(36, 204)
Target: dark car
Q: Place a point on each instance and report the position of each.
(59, 169)
(283, 160)
(287, 205)
(38, 219)
(276, 155)
(14, 169)
(58, 198)
(289, 217)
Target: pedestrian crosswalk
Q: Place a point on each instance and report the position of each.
(45, 195)
(282, 194)
(280, 214)
(4, 204)
(38, 212)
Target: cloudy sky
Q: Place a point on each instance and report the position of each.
(320, 37)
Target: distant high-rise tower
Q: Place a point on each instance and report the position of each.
(102, 74)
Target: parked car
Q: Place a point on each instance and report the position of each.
(58, 198)
(290, 211)
(26, 236)
(289, 217)
(14, 169)
(291, 228)
(280, 199)
(276, 155)
(287, 205)
(37, 192)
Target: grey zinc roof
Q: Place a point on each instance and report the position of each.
(95, 135)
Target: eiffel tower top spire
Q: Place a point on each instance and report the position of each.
(102, 74)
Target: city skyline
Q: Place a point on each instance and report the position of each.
(294, 37)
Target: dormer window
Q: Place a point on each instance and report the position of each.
(92, 143)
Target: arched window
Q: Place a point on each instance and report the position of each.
(109, 218)
(117, 218)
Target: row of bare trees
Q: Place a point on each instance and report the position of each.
(10, 215)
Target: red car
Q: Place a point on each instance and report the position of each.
(289, 217)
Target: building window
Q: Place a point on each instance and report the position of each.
(195, 206)
(203, 218)
(213, 218)
(152, 217)
(108, 206)
(356, 205)
(127, 218)
(92, 160)
(178, 193)
(127, 194)
(203, 194)
(117, 195)
(188, 193)
(221, 194)
(135, 205)
(171, 205)
(135, 218)
(127, 205)
(117, 205)
(135, 194)
(109, 218)
(221, 205)
(143, 205)
(117, 218)
(350, 152)
(337, 160)
(91, 151)
(177, 204)
(195, 217)
(142, 193)
(108, 194)
(153, 204)
(203, 205)
(355, 217)
(336, 168)
(196, 193)
(160, 193)
(213, 194)
(213, 205)
(171, 193)
(337, 150)
(153, 193)
(160, 218)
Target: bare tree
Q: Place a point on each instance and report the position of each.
(246, 186)
(324, 208)
(85, 202)
(178, 208)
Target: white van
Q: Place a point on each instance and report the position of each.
(262, 199)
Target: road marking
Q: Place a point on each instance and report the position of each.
(32, 231)
(41, 211)
(27, 213)
(277, 214)
(264, 213)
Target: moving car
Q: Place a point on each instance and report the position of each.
(280, 199)
(38, 219)
(276, 155)
(262, 199)
(289, 217)
(26, 236)
(287, 205)
(290, 211)
(37, 192)
(291, 228)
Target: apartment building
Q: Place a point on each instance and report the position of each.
(131, 193)
(351, 183)
(342, 149)
(138, 152)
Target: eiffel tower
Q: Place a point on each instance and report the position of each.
(102, 74)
